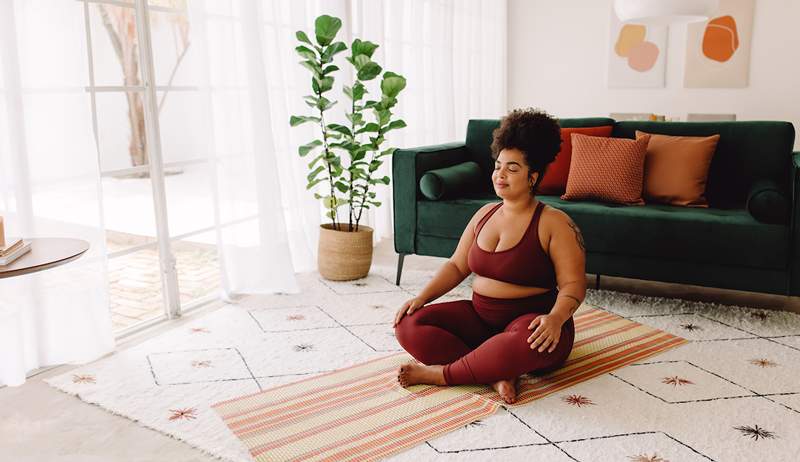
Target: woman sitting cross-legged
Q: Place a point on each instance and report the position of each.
(529, 262)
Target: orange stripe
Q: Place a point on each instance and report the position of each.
(426, 427)
(599, 322)
(332, 398)
(609, 348)
(589, 315)
(600, 315)
(609, 366)
(315, 377)
(277, 422)
(344, 420)
(382, 428)
(591, 339)
(426, 433)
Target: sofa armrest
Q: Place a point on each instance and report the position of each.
(408, 166)
(794, 223)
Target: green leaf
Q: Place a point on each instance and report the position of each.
(360, 60)
(341, 187)
(358, 91)
(316, 159)
(383, 116)
(384, 180)
(306, 148)
(369, 70)
(325, 28)
(311, 184)
(355, 119)
(332, 50)
(329, 69)
(302, 37)
(306, 53)
(392, 84)
(387, 152)
(360, 47)
(297, 120)
(370, 127)
(330, 214)
(325, 104)
(324, 84)
(387, 102)
(312, 66)
(315, 172)
(341, 129)
(396, 124)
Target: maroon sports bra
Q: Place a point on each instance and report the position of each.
(524, 264)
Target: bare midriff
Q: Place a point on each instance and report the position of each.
(500, 289)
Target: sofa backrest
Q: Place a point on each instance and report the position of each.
(747, 151)
(479, 138)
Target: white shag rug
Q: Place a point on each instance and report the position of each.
(732, 393)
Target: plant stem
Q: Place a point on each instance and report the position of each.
(327, 163)
(369, 176)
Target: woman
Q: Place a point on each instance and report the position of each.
(519, 250)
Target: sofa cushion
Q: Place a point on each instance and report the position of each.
(705, 235)
(555, 178)
(606, 169)
(449, 182)
(676, 169)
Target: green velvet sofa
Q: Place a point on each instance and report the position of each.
(721, 246)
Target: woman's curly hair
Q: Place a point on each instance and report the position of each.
(532, 131)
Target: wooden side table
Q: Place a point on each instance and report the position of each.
(46, 252)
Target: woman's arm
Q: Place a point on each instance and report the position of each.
(568, 254)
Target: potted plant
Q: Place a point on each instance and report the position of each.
(345, 246)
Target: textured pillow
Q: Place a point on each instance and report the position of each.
(676, 168)
(606, 169)
(449, 182)
(555, 178)
(767, 204)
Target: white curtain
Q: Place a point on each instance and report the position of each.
(241, 81)
(49, 187)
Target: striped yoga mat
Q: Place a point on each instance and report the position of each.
(361, 413)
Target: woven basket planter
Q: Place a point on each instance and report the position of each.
(344, 255)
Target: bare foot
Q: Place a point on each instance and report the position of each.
(507, 390)
(415, 373)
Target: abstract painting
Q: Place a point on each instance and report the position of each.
(718, 50)
(637, 54)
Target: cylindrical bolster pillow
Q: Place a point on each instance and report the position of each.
(767, 204)
(451, 182)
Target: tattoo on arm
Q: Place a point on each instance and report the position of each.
(577, 303)
(578, 235)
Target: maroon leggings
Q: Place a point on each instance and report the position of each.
(483, 340)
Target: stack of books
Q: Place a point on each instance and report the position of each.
(12, 250)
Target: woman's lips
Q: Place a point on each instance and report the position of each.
(500, 185)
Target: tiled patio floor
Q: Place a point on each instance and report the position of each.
(135, 283)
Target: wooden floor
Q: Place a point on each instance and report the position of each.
(38, 423)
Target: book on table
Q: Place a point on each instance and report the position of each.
(10, 246)
(14, 254)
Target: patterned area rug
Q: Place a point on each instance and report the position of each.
(731, 393)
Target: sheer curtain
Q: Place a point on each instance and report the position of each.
(49, 187)
(246, 81)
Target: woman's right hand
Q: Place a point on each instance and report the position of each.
(409, 307)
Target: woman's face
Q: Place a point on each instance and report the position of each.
(512, 177)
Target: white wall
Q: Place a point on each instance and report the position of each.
(558, 53)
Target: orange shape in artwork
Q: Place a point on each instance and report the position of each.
(630, 35)
(721, 39)
(643, 57)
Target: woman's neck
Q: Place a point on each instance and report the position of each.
(519, 206)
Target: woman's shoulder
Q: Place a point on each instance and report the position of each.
(482, 212)
(553, 218)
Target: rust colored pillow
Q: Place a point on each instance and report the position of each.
(606, 169)
(555, 178)
(676, 168)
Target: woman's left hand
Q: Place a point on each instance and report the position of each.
(547, 333)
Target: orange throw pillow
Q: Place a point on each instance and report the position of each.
(555, 178)
(606, 169)
(676, 168)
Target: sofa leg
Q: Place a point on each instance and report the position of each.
(596, 282)
(400, 258)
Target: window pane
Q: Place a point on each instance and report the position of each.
(197, 265)
(135, 288)
(173, 56)
(121, 130)
(115, 45)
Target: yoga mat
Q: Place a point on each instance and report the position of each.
(361, 413)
